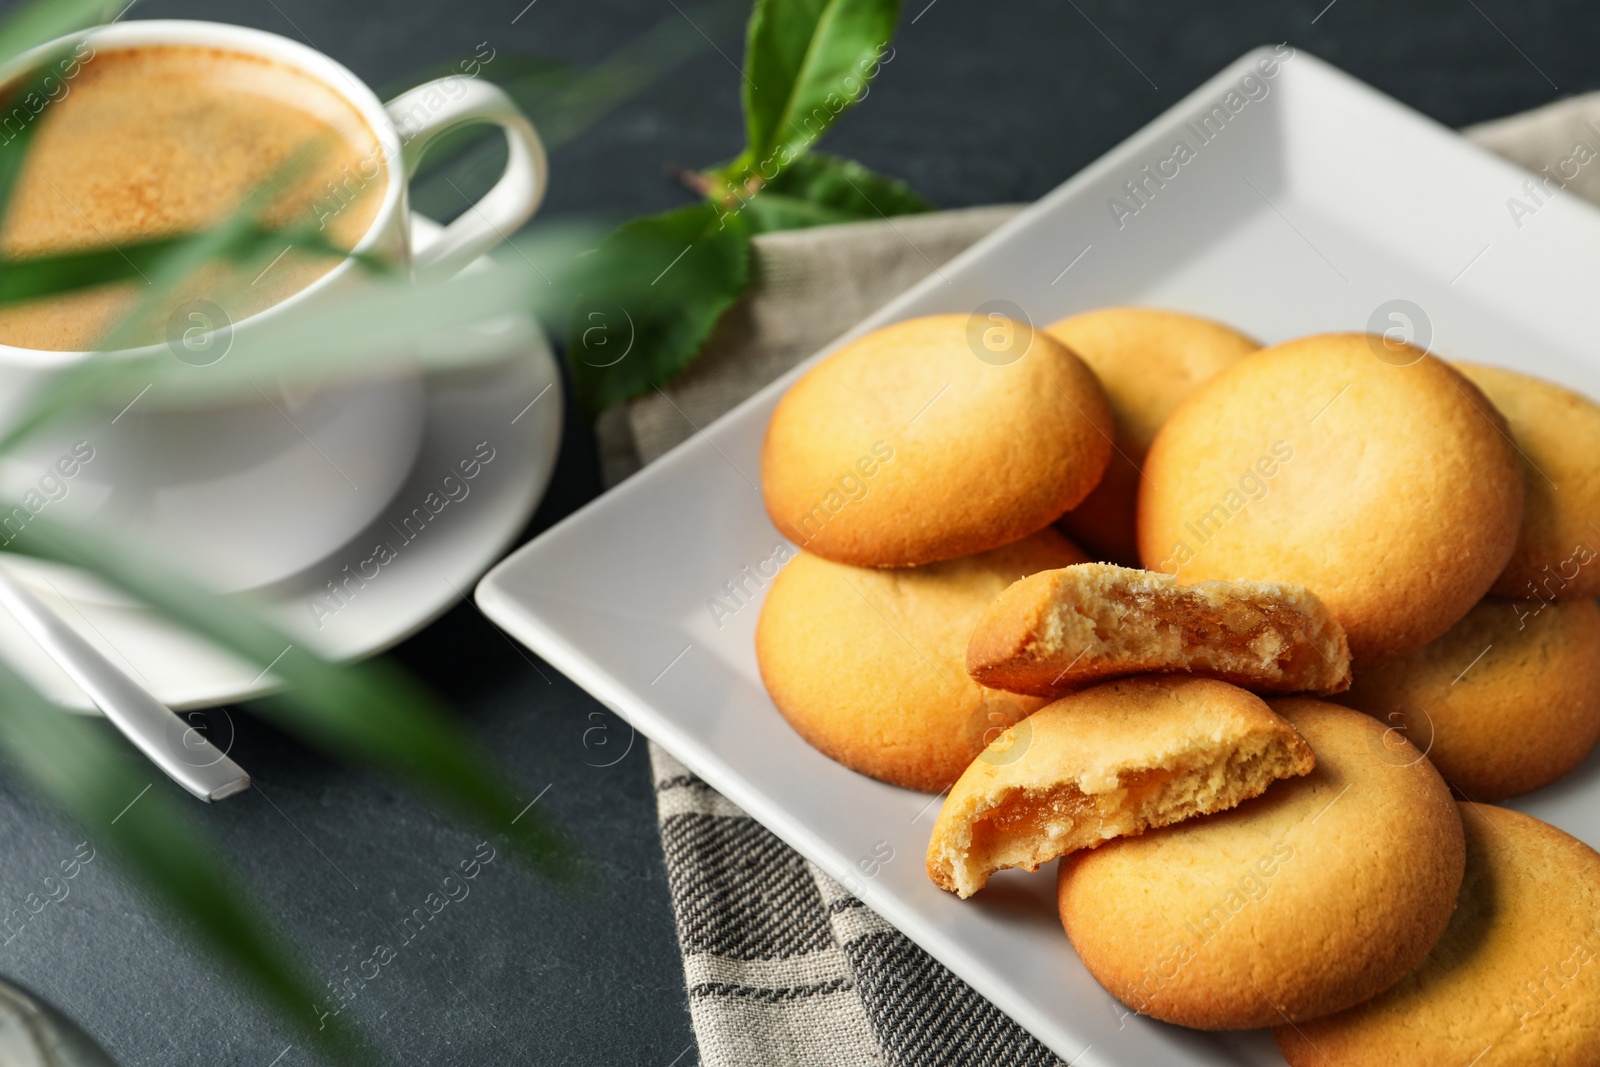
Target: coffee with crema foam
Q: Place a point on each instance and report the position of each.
(148, 142)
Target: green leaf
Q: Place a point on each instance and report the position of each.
(239, 238)
(818, 189)
(432, 323)
(44, 20)
(806, 62)
(220, 241)
(170, 262)
(124, 805)
(371, 714)
(33, 277)
(53, 66)
(649, 297)
(368, 713)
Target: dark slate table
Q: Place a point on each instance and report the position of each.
(982, 102)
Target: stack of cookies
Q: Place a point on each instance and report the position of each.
(1244, 637)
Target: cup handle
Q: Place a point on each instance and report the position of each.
(422, 114)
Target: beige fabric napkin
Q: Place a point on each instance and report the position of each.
(782, 965)
(807, 287)
(810, 286)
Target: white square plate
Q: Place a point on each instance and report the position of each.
(1310, 202)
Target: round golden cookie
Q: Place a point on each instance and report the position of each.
(1506, 702)
(1558, 434)
(1147, 361)
(869, 666)
(1316, 895)
(931, 439)
(1390, 491)
(1515, 979)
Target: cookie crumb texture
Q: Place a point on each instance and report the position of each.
(1059, 630)
(1515, 980)
(1108, 762)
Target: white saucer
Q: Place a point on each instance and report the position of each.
(515, 407)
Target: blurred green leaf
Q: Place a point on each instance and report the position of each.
(92, 776)
(240, 238)
(229, 238)
(37, 276)
(806, 62)
(433, 324)
(371, 713)
(125, 806)
(34, 87)
(42, 21)
(649, 297)
(818, 190)
(641, 305)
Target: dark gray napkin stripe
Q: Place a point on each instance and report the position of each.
(728, 989)
(923, 1014)
(739, 892)
(681, 781)
(747, 904)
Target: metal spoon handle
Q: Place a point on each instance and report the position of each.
(186, 756)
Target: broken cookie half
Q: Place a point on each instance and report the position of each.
(1056, 631)
(1111, 761)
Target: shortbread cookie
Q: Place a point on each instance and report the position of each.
(869, 666)
(1506, 702)
(1390, 491)
(1111, 761)
(1515, 980)
(931, 439)
(1318, 894)
(1147, 360)
(1059, 630)
(1557, 433)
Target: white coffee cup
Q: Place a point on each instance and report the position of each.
(247, 493)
